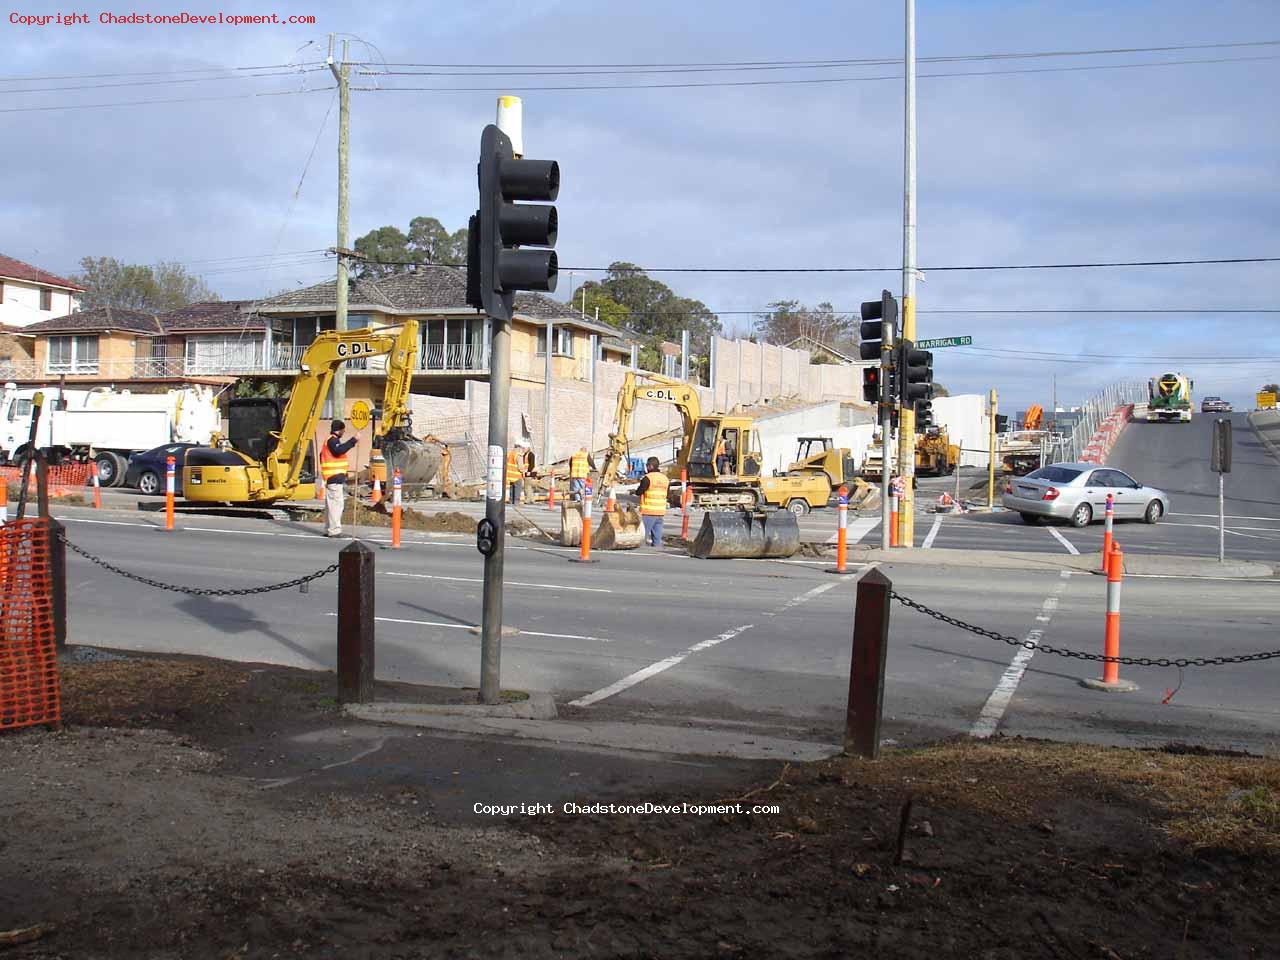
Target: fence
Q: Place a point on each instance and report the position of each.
(29, 689)
(62, 478)
(1095, 411)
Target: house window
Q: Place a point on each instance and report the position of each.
(46, 299)
(73, 355)
(222, 354)
(563, 342)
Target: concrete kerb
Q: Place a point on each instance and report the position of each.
(537, 706)
(1135, 565)
(1266, 426)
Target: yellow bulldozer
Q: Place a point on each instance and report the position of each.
(722, 457)
(268, 447)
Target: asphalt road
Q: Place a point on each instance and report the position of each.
(650, 637)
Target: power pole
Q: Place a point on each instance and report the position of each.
(991, 453)
(907, 416)
(342, 73)
(546, 400)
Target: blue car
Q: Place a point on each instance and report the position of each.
(147, 469)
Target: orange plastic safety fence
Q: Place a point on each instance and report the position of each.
(62, 478)
(29, 689)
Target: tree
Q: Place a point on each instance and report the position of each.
(940, 391)
(132, 286)
(1270, 388)
(788, 320)
(653, 310)
(391, 251)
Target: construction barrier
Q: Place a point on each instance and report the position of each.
(63, 478)
(1106, 530)
(395, 509)
(97, 487)
(584, 551)
(842, 531)
(170, 484)
(1111, 635)
(375, 497)
(29, 689)
(893, 522)
(685, 495)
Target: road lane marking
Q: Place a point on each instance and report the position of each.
(994, 709)
(475, 626)
(1214, 526)
(631, 679)
(509, 583)
(655, 668)
(1071, 549)
(933, 532)
(857, 529)
(1214, 516)
(109, 523)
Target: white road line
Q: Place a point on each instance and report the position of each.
(1214, 516)
(993, 710)
(1071, 549)
(860, 528)
(803, 598)
(1214, 526)
(933, 532)
(471, 626)
(109, 523)
(655, 668)
(509, 583)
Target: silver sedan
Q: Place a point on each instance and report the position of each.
(1078, 492)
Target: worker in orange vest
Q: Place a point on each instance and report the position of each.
(580, 466)
(720, 457)
(333, 470)
(515, 474)
(653, 501)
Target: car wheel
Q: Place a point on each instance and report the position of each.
(108, 469)
(1030, 519)
(1155, 510)
(798, 507)
(149, 483)
(1082, 516)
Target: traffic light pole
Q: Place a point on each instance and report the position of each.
(886, 468)
(907, 415)
(495, 511)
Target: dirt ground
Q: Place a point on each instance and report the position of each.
(136, 831)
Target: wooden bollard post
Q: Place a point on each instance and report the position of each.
(355, 623)
(41, 467)
(866, 667)
(58, 582)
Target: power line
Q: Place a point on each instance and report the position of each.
(566, 88)
(14, 78)
(143, 103)
(869, 61)
(153, 83)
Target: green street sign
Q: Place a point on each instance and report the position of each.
(944, 342)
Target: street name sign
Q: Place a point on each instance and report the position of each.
(944, 342)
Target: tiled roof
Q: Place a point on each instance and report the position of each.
(17, 270)
(215, 315)
(423, 290)
(100, 319)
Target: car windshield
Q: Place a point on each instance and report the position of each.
(1054, 474)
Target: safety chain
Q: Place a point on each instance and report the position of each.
(199, 591)
(1078, 654)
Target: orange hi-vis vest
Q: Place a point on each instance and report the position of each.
(331, 464)
(654, 501)
(578, 468)
(514, 473)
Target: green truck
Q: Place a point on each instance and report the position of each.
(1169, 398)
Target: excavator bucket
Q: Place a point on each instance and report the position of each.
(417, 460)
(618, 529)
(745, 535)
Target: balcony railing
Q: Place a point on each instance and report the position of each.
(453, 356)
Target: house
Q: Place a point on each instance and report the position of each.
(29, 294)
(820, 352)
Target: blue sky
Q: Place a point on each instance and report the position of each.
(1127, 163)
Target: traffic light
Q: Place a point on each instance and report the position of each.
(924, 415)
(496, 267)
(915, 374)
(871, 384)
(878, 383)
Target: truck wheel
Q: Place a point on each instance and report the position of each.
(108, 469)
(797, 506)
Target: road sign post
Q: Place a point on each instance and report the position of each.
(1220, 461)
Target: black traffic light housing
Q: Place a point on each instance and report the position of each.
(496, 267)
(924, 415)
(915, 374)
(878, 383)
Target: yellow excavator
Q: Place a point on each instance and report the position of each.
(740, 520)
(268, 447)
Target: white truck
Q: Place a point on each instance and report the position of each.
(111, 424)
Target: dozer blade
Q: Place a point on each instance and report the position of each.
(619, 529)
(570, 524)
(727, 534)
(417, 460)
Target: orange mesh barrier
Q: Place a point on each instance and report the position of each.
(62, 478)
(29, 689)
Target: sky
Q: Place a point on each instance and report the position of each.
(1125, 156)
